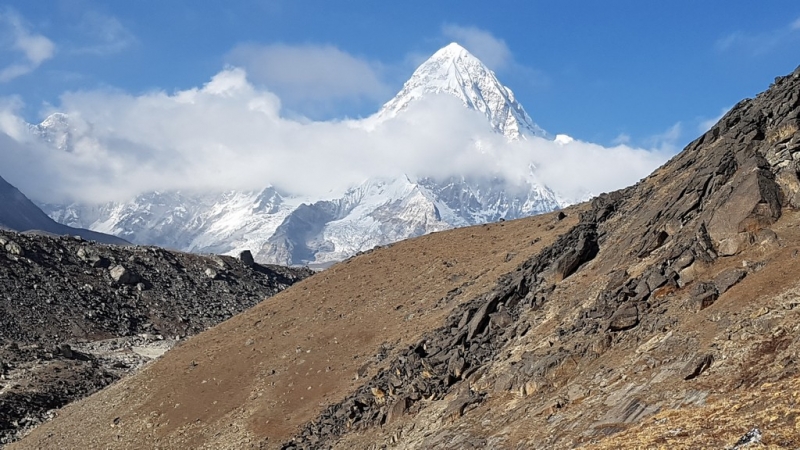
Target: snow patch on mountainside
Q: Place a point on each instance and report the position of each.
(225, 223)
(387, 211)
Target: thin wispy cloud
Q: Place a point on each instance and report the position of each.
(491, 50)
(758, 43)
(706, 124)
(102, 35)
(622, 139)
(668, 141)
(27, 50)
(11, 123)
(231, 134)
(309, 77)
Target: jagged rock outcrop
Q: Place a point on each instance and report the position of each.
(472, 336)
(714, 200)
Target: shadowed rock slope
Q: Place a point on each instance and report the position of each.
(621, 322)
(18, 213)
(71, 308)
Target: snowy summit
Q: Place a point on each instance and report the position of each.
(455, 71)
(285, 228)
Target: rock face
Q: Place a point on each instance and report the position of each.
(680, 291)
(60, 290)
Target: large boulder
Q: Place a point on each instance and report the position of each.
(753, 204)
(122, 275)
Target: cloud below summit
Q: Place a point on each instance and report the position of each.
(231, 134)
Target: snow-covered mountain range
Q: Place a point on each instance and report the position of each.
(283, 228)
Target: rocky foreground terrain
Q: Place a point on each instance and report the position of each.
(664, 315)
(77, 315)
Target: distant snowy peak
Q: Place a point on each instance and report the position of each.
(57, 130)
(456, 71)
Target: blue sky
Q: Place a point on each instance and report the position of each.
(601, 71)
(190, 95)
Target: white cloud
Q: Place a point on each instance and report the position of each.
(760, 42)
(578, 167)
(34, 48)
(105, 34)
(10, 122)
(667, 141)
(491, 50)
(312, 76)
(230, 134)
(622, 139)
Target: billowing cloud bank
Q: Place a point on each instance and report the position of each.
(229, 134)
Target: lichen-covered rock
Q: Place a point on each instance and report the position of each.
(14, 249)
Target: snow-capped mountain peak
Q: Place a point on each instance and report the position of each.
(285, 228)
(57, 130)
(455, 71)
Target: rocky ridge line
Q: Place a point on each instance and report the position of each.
(737, 179)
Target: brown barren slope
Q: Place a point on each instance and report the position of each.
(264, 373)
(655, 316)
(690, 308)
(77, 315)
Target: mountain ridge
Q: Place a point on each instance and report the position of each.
(18, 213)
(454, 70)
(611, 323)
(229, 222)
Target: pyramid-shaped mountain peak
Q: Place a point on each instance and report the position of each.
(453, 51)
(454, 70)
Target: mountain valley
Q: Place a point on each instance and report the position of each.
(661, 315)
(78, 315)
